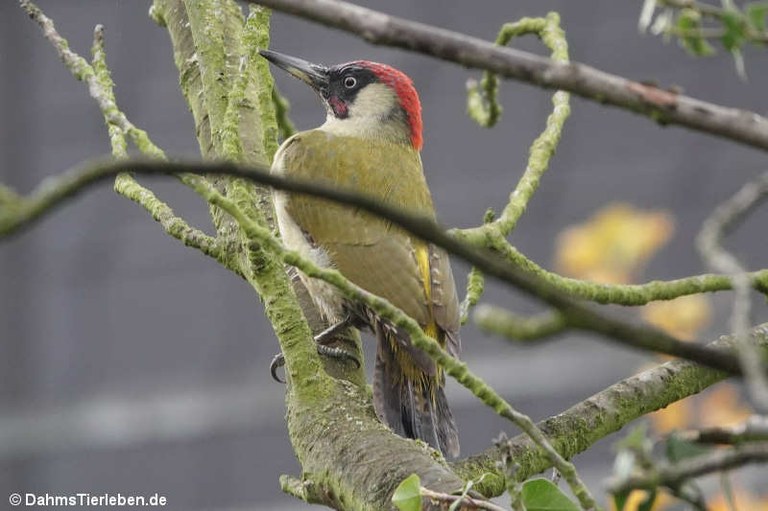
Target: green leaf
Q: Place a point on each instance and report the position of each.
(688, 19)
(636, 440)
(756, 13)
(407, 496)
(697, 46)
(689, 26)
(735, 29)
(543, 495)
(647, 504)
(620, 500)
(678, 449)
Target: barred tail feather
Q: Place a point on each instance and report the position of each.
(412, 409)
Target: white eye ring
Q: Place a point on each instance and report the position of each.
(350, 82)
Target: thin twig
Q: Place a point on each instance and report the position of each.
(662, 106)
(83, 71)
(715, 13)
(475, 282)
(475, 288)
(543, 148)
(483, 106)
(509, 469)
(629, 294)
(705, 9)
(709, 244)
(282, 106)
(100, 88)
(466, 503)
(517, 327)
(754, 429)
(672, 475)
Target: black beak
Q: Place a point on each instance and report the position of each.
(314, 75)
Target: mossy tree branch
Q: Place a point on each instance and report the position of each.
(516, 327)
(119, 128)
(100, 87)
(484, 108)
(208, 44)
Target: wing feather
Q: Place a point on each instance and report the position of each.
(370, 252)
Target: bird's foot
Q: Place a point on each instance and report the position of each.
(322, 339)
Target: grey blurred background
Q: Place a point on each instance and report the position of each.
(131, 364)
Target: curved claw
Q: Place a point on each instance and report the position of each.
(277, 362)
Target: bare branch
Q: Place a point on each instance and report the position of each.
(709, 243)
(673, 475)
(753, 429)
(662, 106)
(465, 503)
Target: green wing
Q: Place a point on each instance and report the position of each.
(373, 253)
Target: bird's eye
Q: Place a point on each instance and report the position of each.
(350, 82)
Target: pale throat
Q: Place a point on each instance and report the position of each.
(375, 113)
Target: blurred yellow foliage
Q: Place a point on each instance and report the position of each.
(613, 245)
(637, 497)
(722, 406)
(743, 501)
(676, 416)
(682, 317)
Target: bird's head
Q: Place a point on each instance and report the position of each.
(362, 98)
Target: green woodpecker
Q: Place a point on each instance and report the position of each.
(370, 144)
